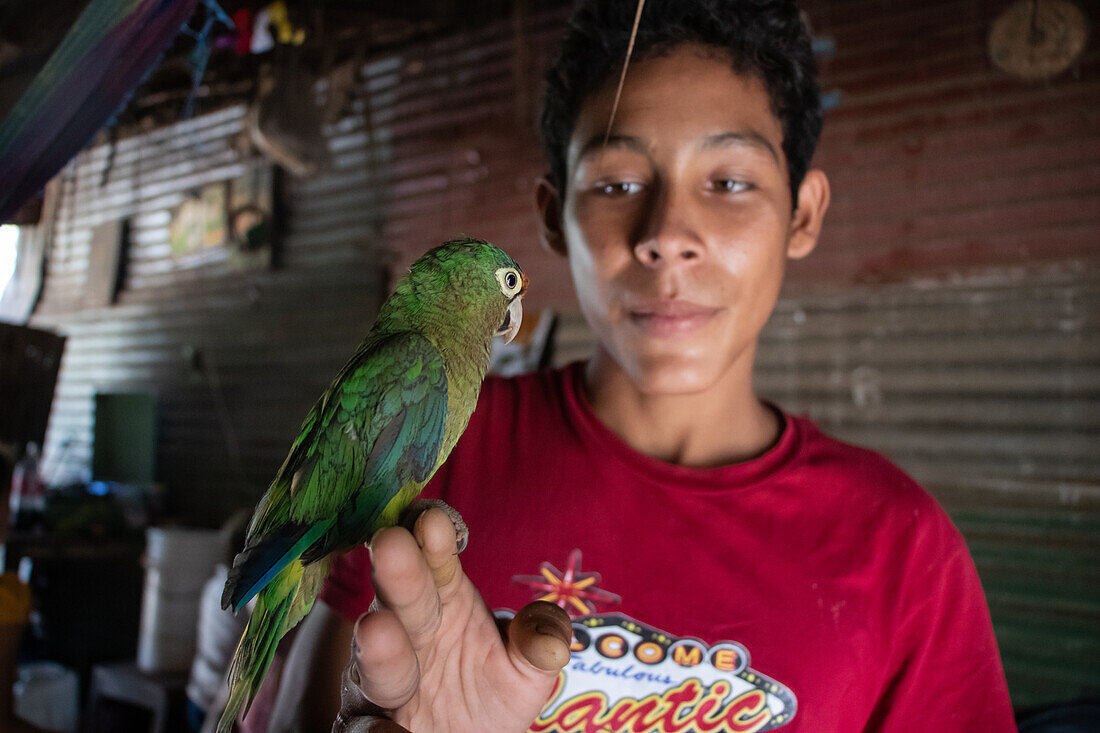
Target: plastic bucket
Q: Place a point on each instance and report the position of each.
(47, 695)
(178, 561)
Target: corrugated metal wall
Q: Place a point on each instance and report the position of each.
(437, 141)
(235, 359)
(948, 318)
(939, 161)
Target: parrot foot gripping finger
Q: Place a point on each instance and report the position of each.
(418, 507)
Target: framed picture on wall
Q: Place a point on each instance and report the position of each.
(231, 221)
(198, 224)
(251, 217)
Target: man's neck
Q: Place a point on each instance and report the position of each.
(719, 426)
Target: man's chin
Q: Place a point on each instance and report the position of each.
(672, 374)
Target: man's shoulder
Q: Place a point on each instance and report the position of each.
(825, 452)
(863, 475)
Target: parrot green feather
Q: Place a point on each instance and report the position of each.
(377, 434)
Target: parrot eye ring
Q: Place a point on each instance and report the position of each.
(511, 283)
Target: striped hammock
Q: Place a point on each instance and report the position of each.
(105, 55)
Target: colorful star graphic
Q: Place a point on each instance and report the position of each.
(572, 590)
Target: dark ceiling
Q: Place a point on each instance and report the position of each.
(335, 31)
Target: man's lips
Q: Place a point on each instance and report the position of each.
(671, 318)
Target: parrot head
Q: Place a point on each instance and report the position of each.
(471, 282)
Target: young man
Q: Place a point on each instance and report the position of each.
(725, 565)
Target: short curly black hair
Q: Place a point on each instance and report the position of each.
(766, 38)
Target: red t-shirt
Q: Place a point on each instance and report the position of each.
(816, 588)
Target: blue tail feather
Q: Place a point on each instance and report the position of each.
(256, 566)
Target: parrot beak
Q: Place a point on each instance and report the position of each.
(512, 319)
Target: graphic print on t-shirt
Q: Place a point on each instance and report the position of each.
(626, 676)
(575, 591)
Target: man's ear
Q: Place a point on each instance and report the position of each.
(548, 201)
(813, 201)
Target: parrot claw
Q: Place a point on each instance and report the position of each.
(418, 507)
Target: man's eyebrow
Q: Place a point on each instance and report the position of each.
(750, 138)
(628, 142)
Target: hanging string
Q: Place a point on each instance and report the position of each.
(200, 55)
(622, 76)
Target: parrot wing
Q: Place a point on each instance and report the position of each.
(376, 429)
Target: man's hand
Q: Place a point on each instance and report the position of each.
(431, 657)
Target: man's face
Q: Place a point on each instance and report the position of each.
(677, 230)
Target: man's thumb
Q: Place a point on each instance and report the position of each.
(541, 634)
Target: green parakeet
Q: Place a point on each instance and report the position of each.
(386, 423)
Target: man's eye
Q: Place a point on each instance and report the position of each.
(619, 188)
(729, 185)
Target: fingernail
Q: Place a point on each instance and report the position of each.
(549, 620)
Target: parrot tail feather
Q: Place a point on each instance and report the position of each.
(237, 699)
(258, 565)
(267, 625)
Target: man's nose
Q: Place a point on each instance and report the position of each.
(668, 234)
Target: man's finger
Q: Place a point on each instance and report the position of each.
(436, 534)
(540, 635)
(405, 583)
(387, 671)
